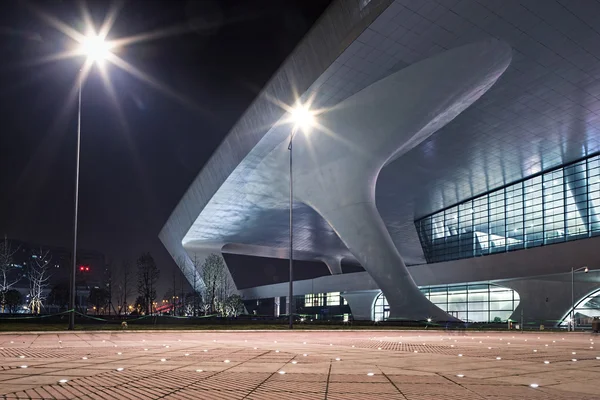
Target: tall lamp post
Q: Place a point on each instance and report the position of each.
(302, 118)
(573, 270)
(96, 50)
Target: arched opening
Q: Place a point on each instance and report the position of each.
(469, 303)
(585, 310)
(381, 308)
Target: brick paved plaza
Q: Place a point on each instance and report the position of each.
(414, 365)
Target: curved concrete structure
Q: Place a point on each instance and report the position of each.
(543, 112)
(337, 165)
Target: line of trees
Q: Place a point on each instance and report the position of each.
(36, 271)
(212, 291)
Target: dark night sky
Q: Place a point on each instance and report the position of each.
(131, 176)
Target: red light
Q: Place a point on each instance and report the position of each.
(87, 268)
(81, 268)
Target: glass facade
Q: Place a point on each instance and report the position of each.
(556, 206)
(381, 308)
(586, 310)
(324, 299)
(472, 303)
(322, 306)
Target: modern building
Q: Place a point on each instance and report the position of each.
(452, 172)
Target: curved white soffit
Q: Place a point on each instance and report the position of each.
(336, 167)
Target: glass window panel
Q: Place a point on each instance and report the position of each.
(465, 216)
(478, 305)
(478, 295)
(501, 305)
(333, 299)
(559, 205)
(451, 221)
(439, 298)
(554, 222)
(500, 294)
(503, 315)
(478, 316)
(381, 308)
(457, 306)
(439, 229)
(457, 297)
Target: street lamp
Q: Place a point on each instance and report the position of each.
(96, 50)
(573, 270)
(302, 118)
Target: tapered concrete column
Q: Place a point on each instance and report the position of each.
(336, 167)
(548, 301)
(361, 303)
(334, 264)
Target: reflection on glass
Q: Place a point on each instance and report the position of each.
(472, 303)
(557, 206)
(586, 310)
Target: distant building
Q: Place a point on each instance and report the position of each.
(91, 268)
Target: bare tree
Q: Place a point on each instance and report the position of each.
(123, 286)
(217, 285)
(9, 275)
(38, 273)
(233, 305)
(148, 275)
(173, 294)
(187, 273)
(195, 283)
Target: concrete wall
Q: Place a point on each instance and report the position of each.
(540, 275)
(336, 29)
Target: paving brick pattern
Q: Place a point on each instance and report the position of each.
(280, 365)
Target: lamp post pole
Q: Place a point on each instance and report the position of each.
(291, 288)
(74, 267)
(573, 299)
(573, 270)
